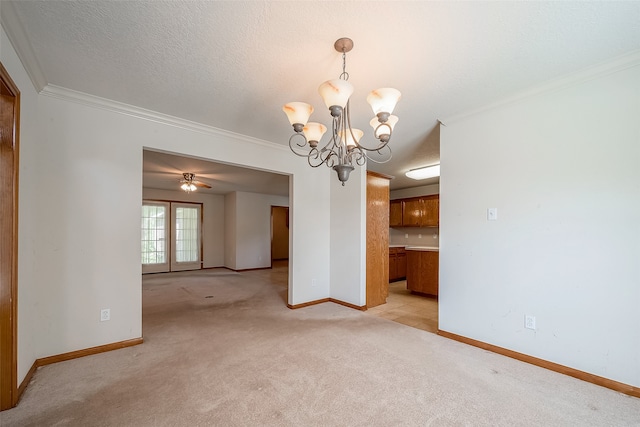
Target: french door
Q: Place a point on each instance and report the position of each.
(171, 236)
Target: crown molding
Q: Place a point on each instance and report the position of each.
(20, 42)
(615, 65)
(93, 101)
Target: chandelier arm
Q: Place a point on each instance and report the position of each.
(384, 152)
(299, 148)
(330, 157)
(315, 158)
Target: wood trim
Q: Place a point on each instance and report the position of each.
(307, 304)
(88, 352)
(249, 269)
(581, 375)
(346, 304)
(323, 300)
(72, 355)
(9, 174)
(27, 379)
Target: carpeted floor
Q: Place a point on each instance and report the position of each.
(222, 349)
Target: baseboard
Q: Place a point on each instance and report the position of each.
(346, 304)
(242, 270)
(307, 304)
(26, 380)
(88, 352)
(73, 355)
(323, 300)
(581, 375)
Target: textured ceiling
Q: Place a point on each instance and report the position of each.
(233, 64)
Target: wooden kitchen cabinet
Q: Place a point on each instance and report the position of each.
(422, 272)
(430, 211)
(377, 239)
(412, 212)
(415, 212)
(395, 213)
(397, 264)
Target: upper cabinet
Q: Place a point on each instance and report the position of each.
(395, 213)
(415, 212)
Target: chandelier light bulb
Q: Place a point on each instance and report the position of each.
(313, 132)
(383, 128)
(298, 112)
(383, 100)
(335, 92)
(351, 138)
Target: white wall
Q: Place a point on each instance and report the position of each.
(230, 230)
(80, 189)
(563, 169)
(253, 229)
(348, 255)
(212, 220)
(28, 244)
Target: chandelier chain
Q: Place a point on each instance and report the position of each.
(344, 75)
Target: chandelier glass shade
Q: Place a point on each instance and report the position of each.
(343, 150)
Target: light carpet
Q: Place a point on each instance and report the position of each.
(222, 349)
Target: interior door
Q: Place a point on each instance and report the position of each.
(186, 236)
(155, 237)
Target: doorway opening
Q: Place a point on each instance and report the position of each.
(279, 233)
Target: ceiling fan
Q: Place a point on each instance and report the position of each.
(189, 183)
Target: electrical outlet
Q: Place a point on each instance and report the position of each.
(419, 236)
(314, 282)
(406, 235)
(105, 314)
(492, 214)
(530, 322)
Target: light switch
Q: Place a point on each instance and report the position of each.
(492, 214)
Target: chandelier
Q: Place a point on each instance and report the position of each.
(344, 149)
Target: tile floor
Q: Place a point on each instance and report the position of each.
(412, 310)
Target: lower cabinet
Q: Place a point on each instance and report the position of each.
(422, 271)
(397, 264)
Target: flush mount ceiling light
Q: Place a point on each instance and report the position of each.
(343, 149)
(424, 173)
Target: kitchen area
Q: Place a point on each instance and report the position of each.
(413, 259)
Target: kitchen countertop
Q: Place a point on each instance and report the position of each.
(416, 248)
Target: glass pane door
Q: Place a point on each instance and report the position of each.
(155, 237)
(186, 236)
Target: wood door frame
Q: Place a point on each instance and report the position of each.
(9, 159)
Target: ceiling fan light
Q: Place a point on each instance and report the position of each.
(335, 92)
(383, 100)
(188, 187)
(298, 112)
(424, 173)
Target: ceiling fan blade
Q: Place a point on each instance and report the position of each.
(201, 184)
